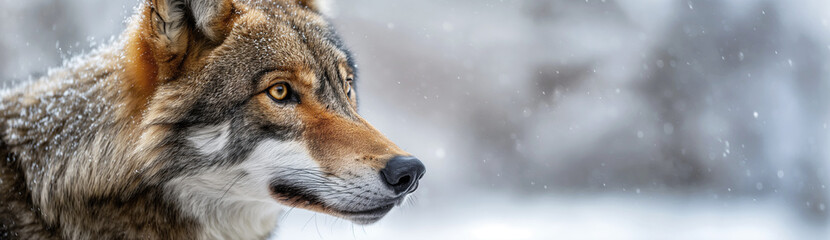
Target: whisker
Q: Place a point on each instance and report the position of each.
(306, 222)
(317, 226)
(354, 236)
(286, 213)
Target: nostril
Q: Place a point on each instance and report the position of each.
(402, 173)
(395, 181)
(404, 180)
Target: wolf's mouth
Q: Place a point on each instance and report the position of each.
(368, 216)
(299, 197)
(371, 212)
(294, 195)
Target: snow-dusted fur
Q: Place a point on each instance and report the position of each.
(179, 129)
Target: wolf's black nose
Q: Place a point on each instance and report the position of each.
(402, 173)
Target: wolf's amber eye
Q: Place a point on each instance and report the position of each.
(279, 91)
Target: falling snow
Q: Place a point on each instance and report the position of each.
(530, 109)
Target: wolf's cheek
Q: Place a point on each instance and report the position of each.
(210, 140)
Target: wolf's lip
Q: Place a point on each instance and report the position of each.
(371, 212)
(368, 216)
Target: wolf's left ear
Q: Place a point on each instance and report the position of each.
(311, 4)
(319, 6)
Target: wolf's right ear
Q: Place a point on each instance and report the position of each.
(167, 32)
(173, 18)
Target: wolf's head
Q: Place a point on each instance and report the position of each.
(258, 106)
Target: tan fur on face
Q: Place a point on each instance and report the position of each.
(336, 142)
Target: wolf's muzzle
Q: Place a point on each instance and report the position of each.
(402, 174)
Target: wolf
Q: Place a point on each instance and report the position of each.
(203, 120)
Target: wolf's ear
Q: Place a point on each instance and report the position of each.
(311, 4)
(175, 17)
(319, 6)
(169, 32)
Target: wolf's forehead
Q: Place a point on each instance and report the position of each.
(303, 42)
(291, 39)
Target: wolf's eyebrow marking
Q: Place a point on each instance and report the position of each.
(278, 72)
(258, 76)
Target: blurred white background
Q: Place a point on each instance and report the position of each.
(542, 119)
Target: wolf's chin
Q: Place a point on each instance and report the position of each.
(368, 216)
(298, 197)
(365, 220)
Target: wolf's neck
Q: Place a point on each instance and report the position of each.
(215, 204)
(63, 132)
(46, 122)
